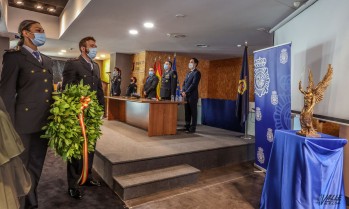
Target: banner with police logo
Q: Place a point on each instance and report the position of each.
(272, 84)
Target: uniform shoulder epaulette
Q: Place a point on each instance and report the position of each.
(74, 59)
(12, 50)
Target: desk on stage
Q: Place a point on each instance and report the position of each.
(304, 173)
(157, 117)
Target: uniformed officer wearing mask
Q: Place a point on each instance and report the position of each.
(168, 82)
(132, 88)
(26, 85)
(190, 91)
(116, 82)
(150, 84)
(75, 70)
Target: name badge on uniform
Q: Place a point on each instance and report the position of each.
(167, 76)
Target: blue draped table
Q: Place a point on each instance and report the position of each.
(304, 173)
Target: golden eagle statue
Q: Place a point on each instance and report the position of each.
(312, 96)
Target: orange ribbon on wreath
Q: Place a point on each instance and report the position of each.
(84, 174)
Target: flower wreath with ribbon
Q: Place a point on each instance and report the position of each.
(74, 124)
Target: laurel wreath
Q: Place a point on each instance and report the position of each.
(63, 129)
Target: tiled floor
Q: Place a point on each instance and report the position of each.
(227, 187)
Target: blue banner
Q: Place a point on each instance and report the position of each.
(272, 84)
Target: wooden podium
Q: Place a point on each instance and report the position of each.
(157, 117)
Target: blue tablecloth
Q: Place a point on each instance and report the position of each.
(304, 173)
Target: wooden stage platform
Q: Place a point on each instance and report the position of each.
(135, 165)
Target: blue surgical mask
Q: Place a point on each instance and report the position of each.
(191, 66)
(92, 53)
(39, 39)
(166, 67)
(151, 73)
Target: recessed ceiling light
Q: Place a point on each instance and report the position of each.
(51, 9)
(97, 58)
(19, 2)
(102, 55)
(180, 15)
(133, 32)
(202, 45)
(239, 45)
(148, 25)
(63, 50)
(39, 6)
(60, 53)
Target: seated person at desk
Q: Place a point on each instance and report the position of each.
(168, 82)
(132, 88)
(150, 85)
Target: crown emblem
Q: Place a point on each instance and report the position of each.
(260, 62)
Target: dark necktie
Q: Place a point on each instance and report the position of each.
(37, 55)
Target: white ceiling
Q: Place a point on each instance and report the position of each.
(221, 24)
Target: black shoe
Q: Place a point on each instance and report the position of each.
(190, 131)
(75, 193)
(92, 182)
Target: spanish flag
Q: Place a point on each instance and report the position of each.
(158, 73)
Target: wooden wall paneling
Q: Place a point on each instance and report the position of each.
(224, 77)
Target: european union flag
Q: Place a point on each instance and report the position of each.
(241, 110)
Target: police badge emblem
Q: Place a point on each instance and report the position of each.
(261, 79)
(258, 114)
(270, 136)
(274, 98)
(283, 56)
(260, 155)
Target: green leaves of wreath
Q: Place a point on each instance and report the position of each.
(63, 129)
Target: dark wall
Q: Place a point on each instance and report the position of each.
(124, 62)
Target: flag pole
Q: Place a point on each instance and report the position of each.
(246, 136)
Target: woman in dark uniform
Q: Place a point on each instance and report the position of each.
(26, 85)
(116, 82)
(132, 88)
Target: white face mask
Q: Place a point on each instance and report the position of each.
(191, 66)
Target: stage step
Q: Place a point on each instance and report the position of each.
(148, 182)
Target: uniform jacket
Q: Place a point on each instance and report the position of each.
(168, 84)
(191, 84)
(78, 69)
(132, 88)
(117, 85)
(150, 86)
(26, 87)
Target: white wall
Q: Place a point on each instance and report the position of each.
(71, 11)
(320, 36)
(48, 22)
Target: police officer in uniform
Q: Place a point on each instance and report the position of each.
(150, 85)
(132, 88)
(116, 82)
(75, 70)
(168, 82)
(26, 85)
(190, 91)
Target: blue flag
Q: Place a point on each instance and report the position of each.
(178, 89)
(241, 110)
